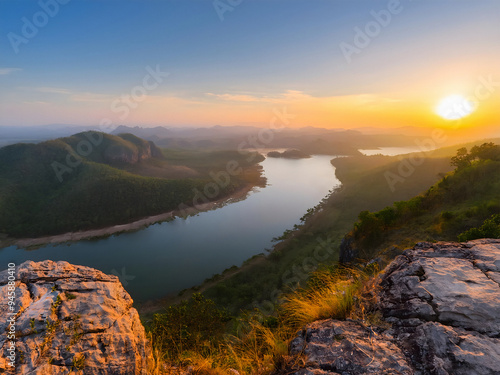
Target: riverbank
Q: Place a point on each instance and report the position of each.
(317, 240)
(163, 259)
(240, 194)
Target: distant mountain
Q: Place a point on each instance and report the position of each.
(229, 137)
(321, 146)
(213, 132)
(310, 139)
(33, 134)
(403, 130)
(146, 133)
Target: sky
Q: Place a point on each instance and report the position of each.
(333, 64)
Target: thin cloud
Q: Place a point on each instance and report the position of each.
(283, 97)
(75, 96)
(5, 71)
(91, 97)
(38, 102)
(297, 97)
(53, 90)
(235, 98)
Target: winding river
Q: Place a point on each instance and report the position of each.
(165, 258)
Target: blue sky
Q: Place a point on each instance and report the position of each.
(235, 70)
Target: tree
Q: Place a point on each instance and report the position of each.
(462, 159)
(487, 151)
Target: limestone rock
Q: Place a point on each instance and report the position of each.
(446, 282)
(443, 301)
(348, 347)
(73, 318)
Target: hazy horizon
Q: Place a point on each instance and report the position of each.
(331, 64)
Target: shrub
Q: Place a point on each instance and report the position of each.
(489, 229)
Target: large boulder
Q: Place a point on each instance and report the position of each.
(443, 304)
(72, 318)
(443, 301)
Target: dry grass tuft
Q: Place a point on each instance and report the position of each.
(261, 345)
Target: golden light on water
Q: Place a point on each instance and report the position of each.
(454, 107)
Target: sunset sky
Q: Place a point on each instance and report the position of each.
(233, 65)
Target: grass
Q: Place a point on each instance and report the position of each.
(78, 362)
(258, 344)
(70, 296)
(334, 298)
(32, 325)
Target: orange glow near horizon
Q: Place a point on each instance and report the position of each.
(382, 110)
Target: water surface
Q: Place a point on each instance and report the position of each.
(165, 258)
(392, 151)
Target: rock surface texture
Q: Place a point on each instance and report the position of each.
(72, 319)
(443, 303)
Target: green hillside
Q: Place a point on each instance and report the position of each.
(271, 297)
(91, 180)
(300, 250)
(450, 210)
(254, 311)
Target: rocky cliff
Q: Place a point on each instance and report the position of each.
(441, 315)
(71, 319)
(132, 151)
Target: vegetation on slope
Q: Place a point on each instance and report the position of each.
(316, 241)
(256, 341)
(453, 209)
(489, 229)
(92, 180)
(272, 296)
(200, 335)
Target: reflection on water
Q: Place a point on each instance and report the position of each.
(167, 257)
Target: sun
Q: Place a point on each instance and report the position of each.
(454, 107)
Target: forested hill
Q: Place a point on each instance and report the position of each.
(463, 205)
(91, 180)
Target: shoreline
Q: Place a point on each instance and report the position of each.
(151, 306)
(26, 243)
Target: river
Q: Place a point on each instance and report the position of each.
(167, 257)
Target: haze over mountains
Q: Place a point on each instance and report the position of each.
(308, 139)
(313, 140)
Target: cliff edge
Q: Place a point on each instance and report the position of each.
(70, 319)
(441, 315)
